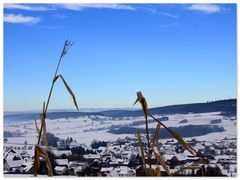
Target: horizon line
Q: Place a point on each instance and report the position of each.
(109, 108)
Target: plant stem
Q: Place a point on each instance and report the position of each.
(46, 108)
(148, 139)
(49, 97)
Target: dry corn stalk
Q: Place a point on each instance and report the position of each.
(144, 105)
(43, 123)
(150, 171)
(155, 143)
(155, 139)
(143, 102)
(141, 148)
(39, 152)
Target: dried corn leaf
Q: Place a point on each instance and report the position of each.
(143, 103)
(155, 140)
(161, 161)
(177, 137)
(41, 153)
(150, 172)
(69, 90)
(38, 131)
(183, 143)
(157, 172)
(44, 135)
(141, 147)
(135, 102)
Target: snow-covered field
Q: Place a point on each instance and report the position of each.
(86, 129)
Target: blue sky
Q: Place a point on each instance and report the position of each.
(173, 53)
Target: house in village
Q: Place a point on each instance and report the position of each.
(13, 166)
(61, 153)
(91, 157)
(125, 171)
(12, 161)
(61, 166)
(76, 167)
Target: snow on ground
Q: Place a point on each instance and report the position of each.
(85, 129)
(202, 119)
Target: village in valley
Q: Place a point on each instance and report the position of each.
(122, 157)
(119, 89)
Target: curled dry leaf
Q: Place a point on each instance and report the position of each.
(69, 90)
(143, 102)
(40, 152)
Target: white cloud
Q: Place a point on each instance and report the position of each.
(169, 15)
(20, 19)
(205, 8)
(79, 7)
(76, 6)
(27, 7)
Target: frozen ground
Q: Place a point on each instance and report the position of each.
(85, 129)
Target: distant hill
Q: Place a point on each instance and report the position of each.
(229, 107)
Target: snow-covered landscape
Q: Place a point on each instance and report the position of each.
(119, 89)
(84, 130)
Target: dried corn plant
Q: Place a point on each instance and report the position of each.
(41, 151)
(150, 151)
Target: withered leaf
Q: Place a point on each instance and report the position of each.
(38, 131)
(161, 161)
(70, 91)
(143, 103)
(41, 153)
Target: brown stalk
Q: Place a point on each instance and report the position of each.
(143, 102)
(65, 49)
(175, 135)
